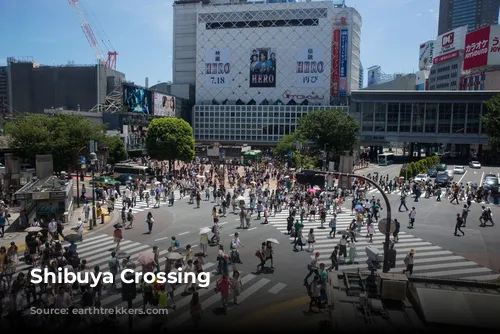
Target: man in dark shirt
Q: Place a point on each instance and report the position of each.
(33, 246)
(458, 225)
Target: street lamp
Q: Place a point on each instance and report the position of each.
(93, 163)
(386, 266)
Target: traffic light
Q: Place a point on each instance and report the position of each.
(129, 290)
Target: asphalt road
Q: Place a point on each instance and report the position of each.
(436, 220)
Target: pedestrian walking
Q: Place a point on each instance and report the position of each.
(195, 309)
(408, 261)
(334, 259)
(458, 225)
(333, 226)
(465, 214)
(311, 239)
(397, 228)
(411, 216)
(150, 220)
(204, 243)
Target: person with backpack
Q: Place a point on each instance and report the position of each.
(409, 262)
(130, 219)
(174, 244)
(114, 267)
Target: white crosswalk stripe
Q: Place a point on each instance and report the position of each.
(96, 249)
(140, 206)
(430, 260)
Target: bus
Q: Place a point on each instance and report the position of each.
(385, 159)
(140, 172)
(253, 156)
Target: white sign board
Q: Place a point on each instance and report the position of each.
(310, 70)
(494, 45)
(451, 41)
(218, 68)
(426, 55)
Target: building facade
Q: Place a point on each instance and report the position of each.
(399, 82)
(361, 76)
(474, 14)
(4, 90)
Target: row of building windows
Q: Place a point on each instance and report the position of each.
(231, 138)
(273, 108)
(443, 118)
(206, 116)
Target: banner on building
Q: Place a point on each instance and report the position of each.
(494, 45)
(344, 45)
(310, 67)
(164, 105)
(426, 55)
(262, 67)
(218, 68)
(374, 75)
(335, 69)
(451, 41)
(476, 48)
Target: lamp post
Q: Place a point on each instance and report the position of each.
(78, 178)
(386, 266)
(93, 162)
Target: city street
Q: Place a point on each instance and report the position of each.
(435, 221)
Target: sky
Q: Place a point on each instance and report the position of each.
(48, 32)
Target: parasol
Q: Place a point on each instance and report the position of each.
(146, 257)
(273, 241)
(33, 229)
(73, 238)
(205, 230)
(174, 256)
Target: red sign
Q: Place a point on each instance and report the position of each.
(448, 39)
(445, 57)
(476, 48)
(334, 89)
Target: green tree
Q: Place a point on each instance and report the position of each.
(116, 149)
(491, 121)
(334, 128)
(63, 136)
(170, 139)
(288, 143)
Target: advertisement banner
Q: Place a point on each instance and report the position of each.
(344, 44)
(310, 67)
(263, 67)
(426, 54)
(334, 90)
(164, 105)
(218, 68)
(476, 48)
(494, 52)
(136, 99)
(374, 75)
(448, 56)
(451, 41)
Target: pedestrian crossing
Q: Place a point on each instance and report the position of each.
(139, 206)
(430, 260)
(96, 250)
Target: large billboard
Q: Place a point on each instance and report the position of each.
(218, 68)
(426, 54)
(374, 75)
(344, 48)
(263, 67)
(164, 105)
(451, 41)
(482, 47)
(335, 63)
(310, 67)
(136, 99)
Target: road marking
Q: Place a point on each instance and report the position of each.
(184, 233)
(162, 239)
(482, 176)
(277, 288)
(252, 228)
(224, 223)
(232, 234)
(482, 278)
(462, 177)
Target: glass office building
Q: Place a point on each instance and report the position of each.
(474, 14)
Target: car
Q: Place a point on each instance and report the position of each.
(475, 164)
(441, 167)
(432, 172)
(443, 179)
(125, 179)
(450, 173)
(459, 170)
(491, 183)
(422, 178)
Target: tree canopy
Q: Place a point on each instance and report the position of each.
(491, 121)
(334, 127)
(63, 136)
(116, 149)
(288, 143)
(170, 138)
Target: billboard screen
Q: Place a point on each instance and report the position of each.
(451, 41)
(136, 99)
(218, 68)
(476, 48)
(164, 105)
(335, 63)
(426, 55)
(310, 67)
(263, 67)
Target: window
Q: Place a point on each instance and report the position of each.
(380, 113)
(444, 117)
(430, 117)
(473, 118)
(368, 113)
(459, 117)
(418, 117)
(392, 117)
(405, 117)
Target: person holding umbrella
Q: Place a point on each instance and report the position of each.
(204, 239)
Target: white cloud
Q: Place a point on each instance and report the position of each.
(431, 10)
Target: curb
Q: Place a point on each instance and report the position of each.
(107, 218)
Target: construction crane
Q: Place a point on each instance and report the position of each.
(86, 17)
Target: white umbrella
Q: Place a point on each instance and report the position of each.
(174, 256)
(205, 230)
(33, 229)
(273, 241)
(240, 198)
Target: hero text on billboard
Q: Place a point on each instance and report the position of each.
(263, 67)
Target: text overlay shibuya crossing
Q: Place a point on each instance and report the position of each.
(127, 276)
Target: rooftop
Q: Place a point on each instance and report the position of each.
(51, 183)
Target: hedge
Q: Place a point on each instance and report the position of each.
(419, 167)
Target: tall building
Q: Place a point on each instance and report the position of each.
(361, 75)
(4, 91)
(474, 14)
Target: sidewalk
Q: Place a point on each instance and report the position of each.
(18, 236)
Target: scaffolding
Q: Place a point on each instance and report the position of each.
(113, 103)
